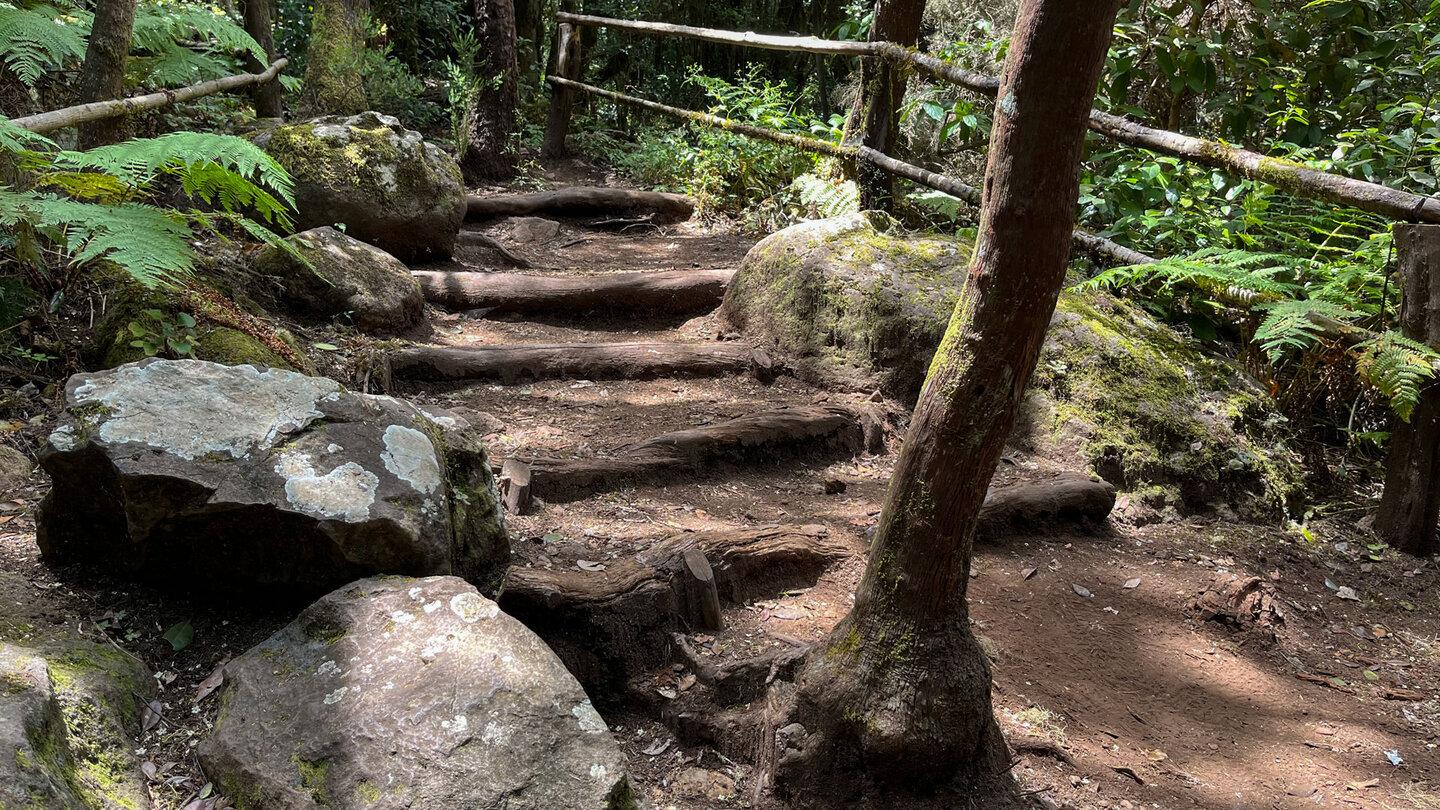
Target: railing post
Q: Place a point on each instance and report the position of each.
(1410, 505)
(567, 66)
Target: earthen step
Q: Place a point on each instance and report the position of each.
(587, 361)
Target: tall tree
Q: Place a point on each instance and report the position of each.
(488, 155)
(258, 25)
(882, 89)
(102, 77)
(334, 77)
(900, 692)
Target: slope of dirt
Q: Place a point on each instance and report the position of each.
(1125, 698)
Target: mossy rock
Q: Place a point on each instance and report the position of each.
(1131, 398)
(345, 278)
(386, 184)
(66, 708)
(218, 344)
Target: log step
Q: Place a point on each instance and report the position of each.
(760, 434)
(586, 361)
(666, 292)
(583, 201)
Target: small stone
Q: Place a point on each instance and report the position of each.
(834, 486)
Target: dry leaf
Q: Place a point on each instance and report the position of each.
(1081, 590)
(1156, 755)
(210, 684)
(1347, 592)
(149, 770)
(657, 748)
(1027, 573)
(687, 682)
(667, 693)
(1132, 583)
(151, 715)
(586, 565)
(1361, 785)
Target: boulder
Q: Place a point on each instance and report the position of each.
(344, 278)
(66, 713)
(15, 468)
(386, 184)
(1114, 390)
(395, 693)
(235, 477)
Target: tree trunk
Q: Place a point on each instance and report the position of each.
(258, 25)
(901, 694)
(1410, 504)
(488, 155)
(102, 77)
(882, 89)
(334, 77)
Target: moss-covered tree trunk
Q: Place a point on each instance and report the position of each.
(488, 155)
(882, 89)
(335, 60)
(900, 692)
(102, 77)
(267, 96)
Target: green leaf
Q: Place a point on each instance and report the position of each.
(180, 635)
(326, 347)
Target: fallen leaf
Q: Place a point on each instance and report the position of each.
(657, 748)
(180, 636)
(1132, 583)
(687, 682)
(553, 537)
(1156, 755)
(1027, 573)
(1362, 785)
(1347, 592)
(210, 684)
(1371, 676)
(667, 693)
(151, 715)
(586, 565)
(326, 347)
(702, 638)
(1081, 590)
(149, 770)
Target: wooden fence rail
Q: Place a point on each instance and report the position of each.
(1291, 177)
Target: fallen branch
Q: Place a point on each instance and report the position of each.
(100, 110)
(587, 361)
(670, 292)
(1069, 499)
(582, 201)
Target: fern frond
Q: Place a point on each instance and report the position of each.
(1232, 276)
(1397, 367)
(827, 198)
(158, 24)
(172, 65)
(1288, 325)
(40, 38)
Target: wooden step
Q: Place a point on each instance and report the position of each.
(581, 201)
(586, 361)
(667, 292)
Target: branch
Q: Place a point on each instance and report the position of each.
(99, 110)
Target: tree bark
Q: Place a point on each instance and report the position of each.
(572, 201)
(267, 96)
(102, 77)
(882, 89)
(901, 693)
(334, 80)
(668, 292)
(1410, 505)
(488, 154)
(582, 361)
(566, 50)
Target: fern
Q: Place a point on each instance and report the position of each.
(1289, 325)
(1397, 367)
(161, 27)
(173, 66)
(1239, 277)
(40, 38)
(149, 243)
(827, 198)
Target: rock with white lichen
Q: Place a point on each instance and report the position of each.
(235, 477)
(394, 693)
(384, 183)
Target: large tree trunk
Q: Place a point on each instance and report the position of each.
(334, 78)
(901, 692)
(258, 25)
(488, 155)
(882, 89)
(103, 75)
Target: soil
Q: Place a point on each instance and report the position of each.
(1122, 698)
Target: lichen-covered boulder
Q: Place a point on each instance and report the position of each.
(386, 184)
(1114, 390)
(67, 713)
(394, 693)
(848, 303)
(345, 277)
(235, 478)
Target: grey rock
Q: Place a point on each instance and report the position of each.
(395, 693)
(65, 714)
(233, 477)
(15, 468)
(387, 184)
(346, 277)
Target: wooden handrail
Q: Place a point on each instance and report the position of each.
(1288, 176)
(99, 110)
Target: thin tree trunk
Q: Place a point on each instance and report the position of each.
(102, 77)
(267, 96)
(488, 155)
(882, 89)
(334, 78)
(901, 692)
